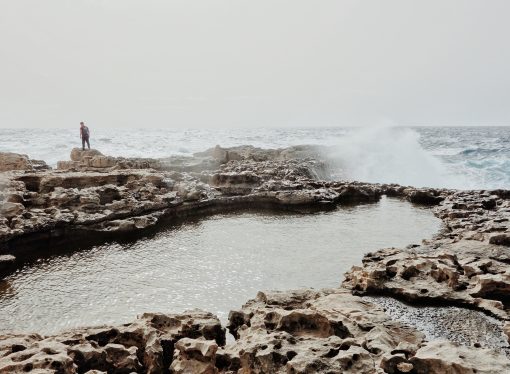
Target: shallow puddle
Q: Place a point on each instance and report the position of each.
(216, 264)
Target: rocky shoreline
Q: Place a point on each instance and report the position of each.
(307, 331)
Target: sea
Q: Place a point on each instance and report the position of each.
(450, 157)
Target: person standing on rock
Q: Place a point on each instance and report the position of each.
(84, 135)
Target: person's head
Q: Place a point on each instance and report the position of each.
(82, 124)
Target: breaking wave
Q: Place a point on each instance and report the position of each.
(453, 157)
(390, 155)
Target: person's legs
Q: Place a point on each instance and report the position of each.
(88, 143)
(83, 143)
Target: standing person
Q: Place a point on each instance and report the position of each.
(84, 135)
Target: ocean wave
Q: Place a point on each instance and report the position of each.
(391, 155)
(432, 156)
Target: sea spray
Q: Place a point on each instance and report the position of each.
(456, 157)
(389, 155)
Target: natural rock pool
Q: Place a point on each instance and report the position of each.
(216, 263)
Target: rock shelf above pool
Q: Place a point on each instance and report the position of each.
(133, 194)
(309, 331)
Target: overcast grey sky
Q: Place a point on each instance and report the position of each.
(254, 63)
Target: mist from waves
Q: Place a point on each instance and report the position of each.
(390, 155)
(452, 157)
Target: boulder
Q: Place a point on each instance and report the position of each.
(14, 161)
(78, 154)
(9, 210)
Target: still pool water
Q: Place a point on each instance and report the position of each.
(216, 264)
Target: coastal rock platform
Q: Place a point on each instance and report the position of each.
(467, 264)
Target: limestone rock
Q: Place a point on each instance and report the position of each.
(311, 331)
(440, 357)
(13, 161)
(9, 210)
(102, 162)
(78, 154)
(142, 346)
(68, 165)
(194, 356)
(305, 331)
(453, 274)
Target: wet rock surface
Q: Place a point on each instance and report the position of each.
(307, 331)
(459, 325)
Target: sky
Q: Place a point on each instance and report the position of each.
(238, 63)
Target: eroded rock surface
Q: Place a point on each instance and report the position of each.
(14, 161)
(134, 194)
(459, 271)
(325, 331)
(146, 345)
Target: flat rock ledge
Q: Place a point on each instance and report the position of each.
(467, 264)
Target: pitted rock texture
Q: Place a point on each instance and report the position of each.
(326, 331)
(144, 346)
(305, 331)
(463, 265)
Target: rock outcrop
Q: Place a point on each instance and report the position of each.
(135, 194)
(309, 331)
(326, 331)
(468, 264)
(146, 345)
(14, 161)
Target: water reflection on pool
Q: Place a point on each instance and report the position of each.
(216, 264)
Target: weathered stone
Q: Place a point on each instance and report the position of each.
(9, 210)
(78, 155)
(142, 346)
(296, 331)
(439, 357)
(102, 162)
(13, 161)
(194, 356)
(311, 331)
(67, 165)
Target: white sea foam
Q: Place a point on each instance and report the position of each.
(469, 157)
(391, 155)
